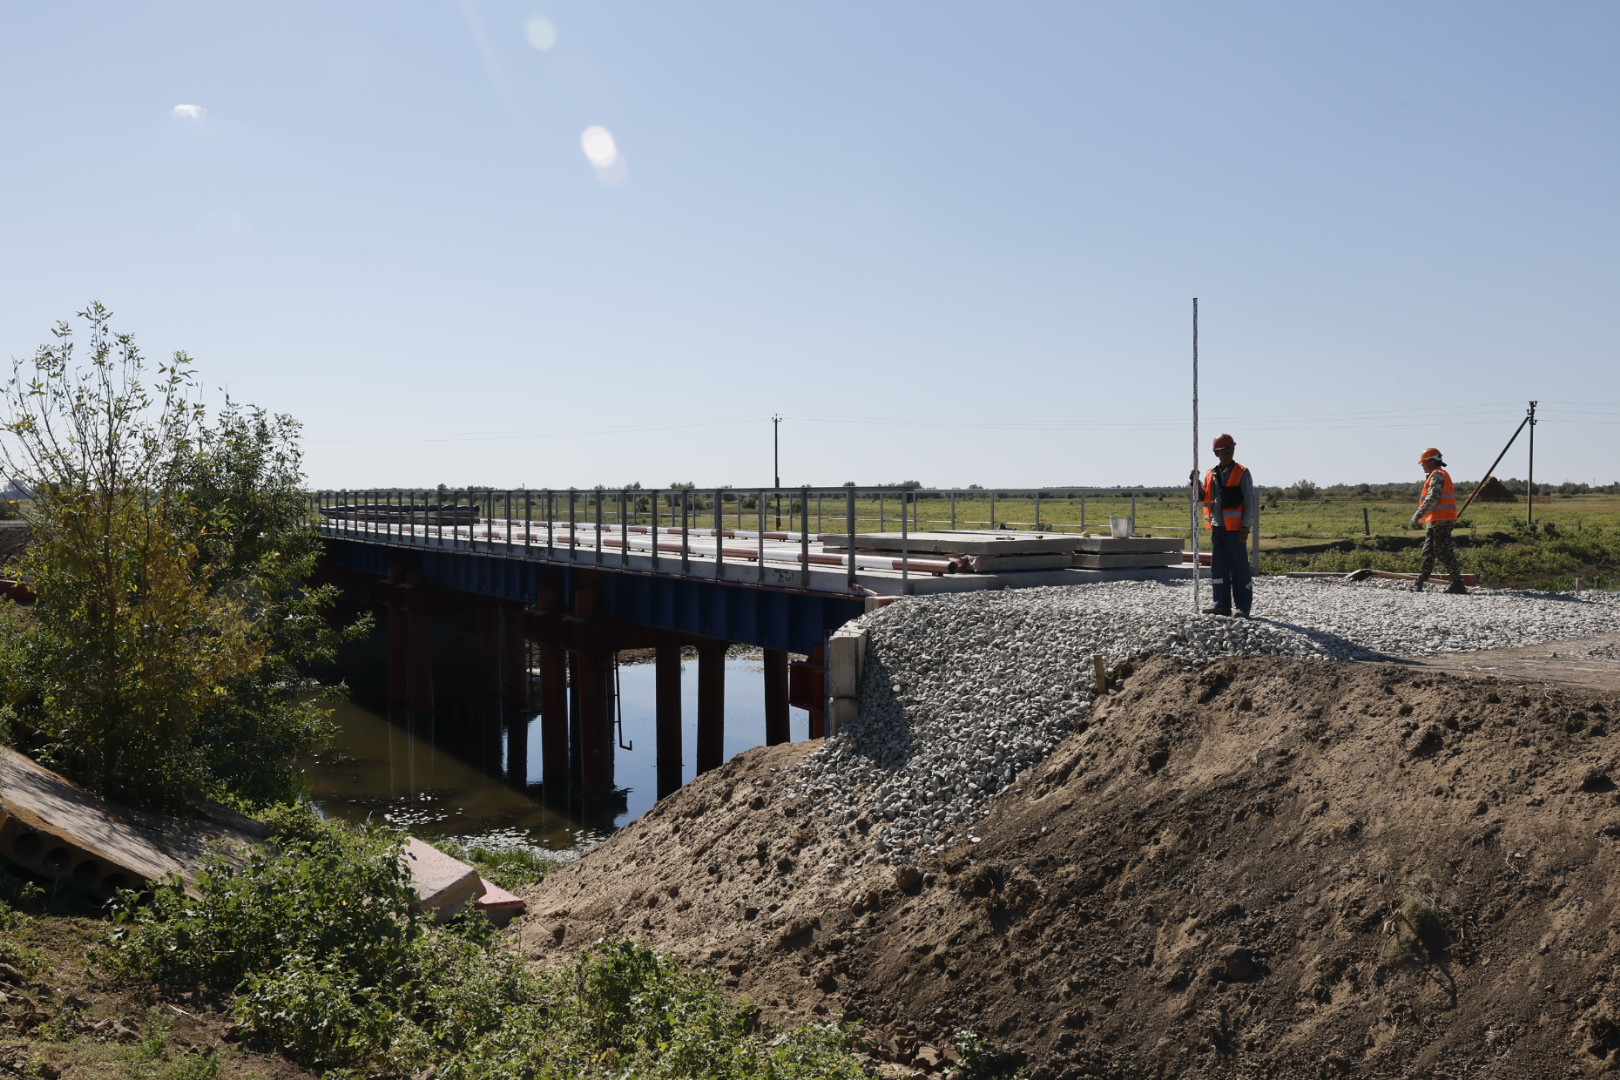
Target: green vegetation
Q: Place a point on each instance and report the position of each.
(1419, 928)
(323, 958)
(508, 867)
(1573, 538)
(160, 661)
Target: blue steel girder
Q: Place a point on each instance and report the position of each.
(750, 615)
(744, 614)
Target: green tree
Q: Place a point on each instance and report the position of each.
(242, 481)
(155, 665)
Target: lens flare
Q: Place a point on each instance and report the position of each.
(541, 34)
(599, 147)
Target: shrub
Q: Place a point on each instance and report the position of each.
(319, 889)
(315, 941)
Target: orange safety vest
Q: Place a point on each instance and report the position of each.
(1444, 510)
(1231, 498)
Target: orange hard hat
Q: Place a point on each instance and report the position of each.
(1224, 442)
(1431, 454)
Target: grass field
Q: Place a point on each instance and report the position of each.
(1571, 538)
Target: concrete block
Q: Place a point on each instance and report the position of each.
(953, 543)
(846, 658)
(1003, 564)
(55, 828)
(1113, 545)
(841, 711)
(1110, 561)
(500, 906)
(443, 885)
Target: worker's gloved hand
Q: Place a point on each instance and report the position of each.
(1192, 478)
(1414, 521)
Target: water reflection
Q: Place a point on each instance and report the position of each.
(461, 773)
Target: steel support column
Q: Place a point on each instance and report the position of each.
(668, 717)
(594, 671)
(776, 697)
(813, 671)
(421, 659)
(399, 656)
(517, 750)
(553, 712)
(399, 652)
(514, 659)
(488, 616)
(711, 725)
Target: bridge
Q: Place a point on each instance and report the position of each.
(569, 578)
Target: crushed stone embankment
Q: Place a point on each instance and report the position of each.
(1260, 865)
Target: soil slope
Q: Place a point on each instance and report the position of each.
(1262, 867)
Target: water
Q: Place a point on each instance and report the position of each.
(453, 774)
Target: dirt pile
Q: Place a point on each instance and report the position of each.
(1493, 490)
(1262, 867)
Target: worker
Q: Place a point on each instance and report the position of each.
(1437, 512)
(1230, 511)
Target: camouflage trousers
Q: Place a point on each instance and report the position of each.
(1437, 545)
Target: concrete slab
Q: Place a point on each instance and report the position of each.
(1109, 560)
(953, 543)
(1114, 544)
(55, 828)
(500, 906)
(444, 885)
(890, 585)
(1008, 564)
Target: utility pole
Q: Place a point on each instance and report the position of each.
(1530, 485)
(1193, 479)
(776, 466)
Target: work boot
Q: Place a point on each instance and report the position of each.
(1240, 613)
(1218, 611)
(1457, 588)
(1417, 586)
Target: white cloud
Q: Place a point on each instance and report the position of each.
(188, 112)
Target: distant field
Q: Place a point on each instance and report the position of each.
(1572, 538)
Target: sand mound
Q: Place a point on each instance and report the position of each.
(1261, 867)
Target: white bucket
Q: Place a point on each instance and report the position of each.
(1119, 526)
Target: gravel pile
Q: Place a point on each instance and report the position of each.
(964, 691)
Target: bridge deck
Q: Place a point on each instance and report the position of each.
(815, 563)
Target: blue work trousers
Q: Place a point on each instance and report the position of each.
(1229, 570)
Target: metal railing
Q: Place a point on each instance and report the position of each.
(606, 526)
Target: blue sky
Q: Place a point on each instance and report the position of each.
(955, 243)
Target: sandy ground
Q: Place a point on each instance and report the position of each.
(1262, 867)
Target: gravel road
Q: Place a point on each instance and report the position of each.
(962, 692)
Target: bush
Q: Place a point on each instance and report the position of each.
(315, 941)
(318, 889)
